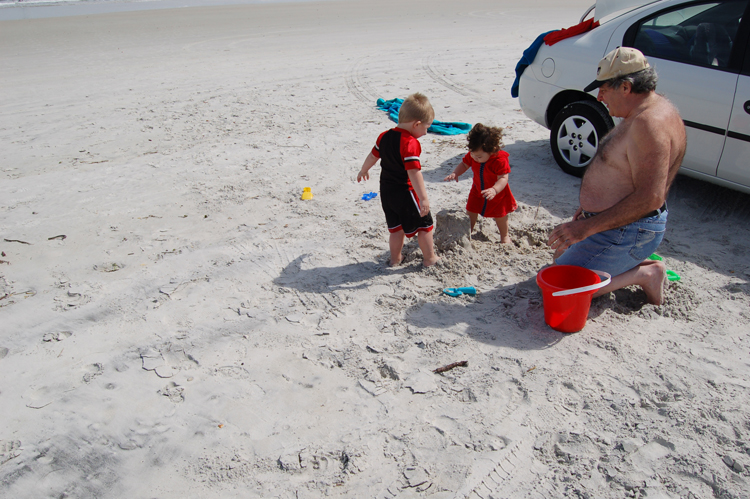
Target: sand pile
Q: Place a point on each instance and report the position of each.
(452, 230)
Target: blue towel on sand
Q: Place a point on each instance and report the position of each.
(439, 127)
(527, 58)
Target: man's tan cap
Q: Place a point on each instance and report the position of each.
(621, 61)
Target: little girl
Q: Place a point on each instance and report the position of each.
(490, 194)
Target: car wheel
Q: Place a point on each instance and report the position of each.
(575, 135)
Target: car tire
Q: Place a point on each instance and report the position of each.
(575, 135)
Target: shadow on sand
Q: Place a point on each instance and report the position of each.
(328, 279)
(508, 316)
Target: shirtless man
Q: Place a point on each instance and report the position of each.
(623, 211)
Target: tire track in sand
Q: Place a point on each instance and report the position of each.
(429, 67)
(357, 85)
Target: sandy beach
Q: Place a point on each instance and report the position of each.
(176, 322)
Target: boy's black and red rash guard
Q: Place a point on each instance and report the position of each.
(398, 151)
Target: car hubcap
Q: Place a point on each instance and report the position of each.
(577, 141)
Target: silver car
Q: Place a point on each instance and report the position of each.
(699, 51)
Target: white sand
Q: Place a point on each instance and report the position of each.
(202, 332)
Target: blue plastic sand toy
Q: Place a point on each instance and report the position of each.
(369, 196)
(468, 290)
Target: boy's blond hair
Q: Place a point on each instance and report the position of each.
(416, 107)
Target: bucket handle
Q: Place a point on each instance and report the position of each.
(566, 292)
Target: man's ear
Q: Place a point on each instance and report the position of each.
(627, 87)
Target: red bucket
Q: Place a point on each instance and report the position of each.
(566, 292)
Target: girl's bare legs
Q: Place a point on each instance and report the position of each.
(502, 226)
(427, 246)
(473, 219)
(396, 243)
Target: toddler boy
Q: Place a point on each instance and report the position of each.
(403, 194)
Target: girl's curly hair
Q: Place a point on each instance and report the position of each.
(487, 138)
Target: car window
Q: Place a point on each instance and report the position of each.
(702, 34)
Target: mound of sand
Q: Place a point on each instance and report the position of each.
(452, 228)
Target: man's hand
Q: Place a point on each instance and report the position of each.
(567, 234)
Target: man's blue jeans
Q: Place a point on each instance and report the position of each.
(618, 250)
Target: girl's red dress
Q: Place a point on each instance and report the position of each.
(485, 176)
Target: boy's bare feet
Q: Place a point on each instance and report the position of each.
(505, 240)
(398, 261)
(431, 261)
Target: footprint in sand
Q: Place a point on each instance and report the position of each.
(9, 449)
(570, 447)
(109, 267)
(564, 395)
(173, 392)
(315, 462)
(59, 336)
(236, 372)
(3, 352)
(166, 359)
(151, 359)
(38, 398)
(417, 478)
(71, 300)
(319, 462)
(92, 371)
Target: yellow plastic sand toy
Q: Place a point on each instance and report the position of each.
(307, 193)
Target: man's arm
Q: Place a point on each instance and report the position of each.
(648, 152)
(417, 181)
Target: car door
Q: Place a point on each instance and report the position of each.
(691, 46)
(735, 160)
